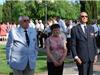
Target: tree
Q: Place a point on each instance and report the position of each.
(19, 9)
(98, 9)
(7, 11)
(90, 7)
(0, 13)
(64, 9)
(13, 9)
(31, 9)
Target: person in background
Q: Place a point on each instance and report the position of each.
(41, 34)
(83, 45)
(21, 48)
(32, 23)
(56, 51)
(96, 29)
(61, 24)
(47, 29)
(69, 26)
(3, 31)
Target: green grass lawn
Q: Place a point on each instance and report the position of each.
(40, 64)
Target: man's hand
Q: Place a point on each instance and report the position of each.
(78, 60)
(95, 59)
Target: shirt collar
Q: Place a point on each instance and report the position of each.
(83, 25)
(23, 30)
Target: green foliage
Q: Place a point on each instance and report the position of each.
(13, 9)
(0, 13)
(18, 10)
(91, 9)
(64, 9)
(98, 9)
(7, 11)
(30, 8)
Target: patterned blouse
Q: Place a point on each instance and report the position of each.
(56, 47)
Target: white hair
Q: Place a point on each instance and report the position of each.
(23, 17)
(40, 21)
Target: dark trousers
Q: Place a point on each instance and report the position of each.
(68, 45)
(40, 38)
(97, 41)
(86, 68)
(52, 70)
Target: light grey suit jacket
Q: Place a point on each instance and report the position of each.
(17, 51)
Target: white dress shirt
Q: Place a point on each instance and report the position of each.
(82, 26)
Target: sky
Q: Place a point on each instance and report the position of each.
(2, 1)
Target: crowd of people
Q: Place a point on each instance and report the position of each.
(59, 37)
(4, 30)
(44, 31)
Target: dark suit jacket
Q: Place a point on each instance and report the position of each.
(81, 45)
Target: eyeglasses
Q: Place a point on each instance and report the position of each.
(84, 16)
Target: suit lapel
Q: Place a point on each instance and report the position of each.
(20, 35)
(81, 32)
(30, 33)
(88, 31)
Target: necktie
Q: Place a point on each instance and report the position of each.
(85, 28)
(27, 38)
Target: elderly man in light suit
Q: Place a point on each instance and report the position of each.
(22, 52)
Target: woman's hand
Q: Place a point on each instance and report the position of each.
(61, 62)
(56, 63)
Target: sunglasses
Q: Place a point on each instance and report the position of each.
(25, 20)
(84, 16)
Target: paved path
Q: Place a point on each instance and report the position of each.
(71, 69)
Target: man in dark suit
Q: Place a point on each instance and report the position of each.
(83, 46)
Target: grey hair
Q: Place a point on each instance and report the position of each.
(21, 18)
